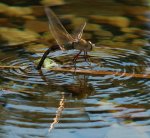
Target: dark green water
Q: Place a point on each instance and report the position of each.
(69, 105)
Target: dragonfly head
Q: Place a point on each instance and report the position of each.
(90, 45)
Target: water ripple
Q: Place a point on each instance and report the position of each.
(89, 101)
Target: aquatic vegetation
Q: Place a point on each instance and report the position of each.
(14, 10)
(52, 2)
(115, 21)
(13, 36)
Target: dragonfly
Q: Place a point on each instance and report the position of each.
(65, 40)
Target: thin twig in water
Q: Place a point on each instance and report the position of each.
(8, 67)
(94, 72)
(88, 72)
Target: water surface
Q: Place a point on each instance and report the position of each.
(49, 104)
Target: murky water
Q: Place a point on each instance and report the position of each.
(44, 103)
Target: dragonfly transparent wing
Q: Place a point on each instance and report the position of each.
(60, 34)
(79, 31)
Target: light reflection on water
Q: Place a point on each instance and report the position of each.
(30, 99)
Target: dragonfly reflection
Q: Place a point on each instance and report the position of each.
(64, 39)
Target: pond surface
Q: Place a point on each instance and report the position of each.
(43, 104)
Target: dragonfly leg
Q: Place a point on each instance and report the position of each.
(85, 56)
(87, 59)
(42, 59)
(76, 56)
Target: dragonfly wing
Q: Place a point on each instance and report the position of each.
(60, 34)
(78, 33)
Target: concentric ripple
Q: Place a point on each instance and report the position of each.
(26, 72)
(108, 59)
(88, 101)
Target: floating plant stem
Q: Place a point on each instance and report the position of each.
(8, 67)
(94, 72)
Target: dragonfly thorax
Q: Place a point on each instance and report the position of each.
(83, 45)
